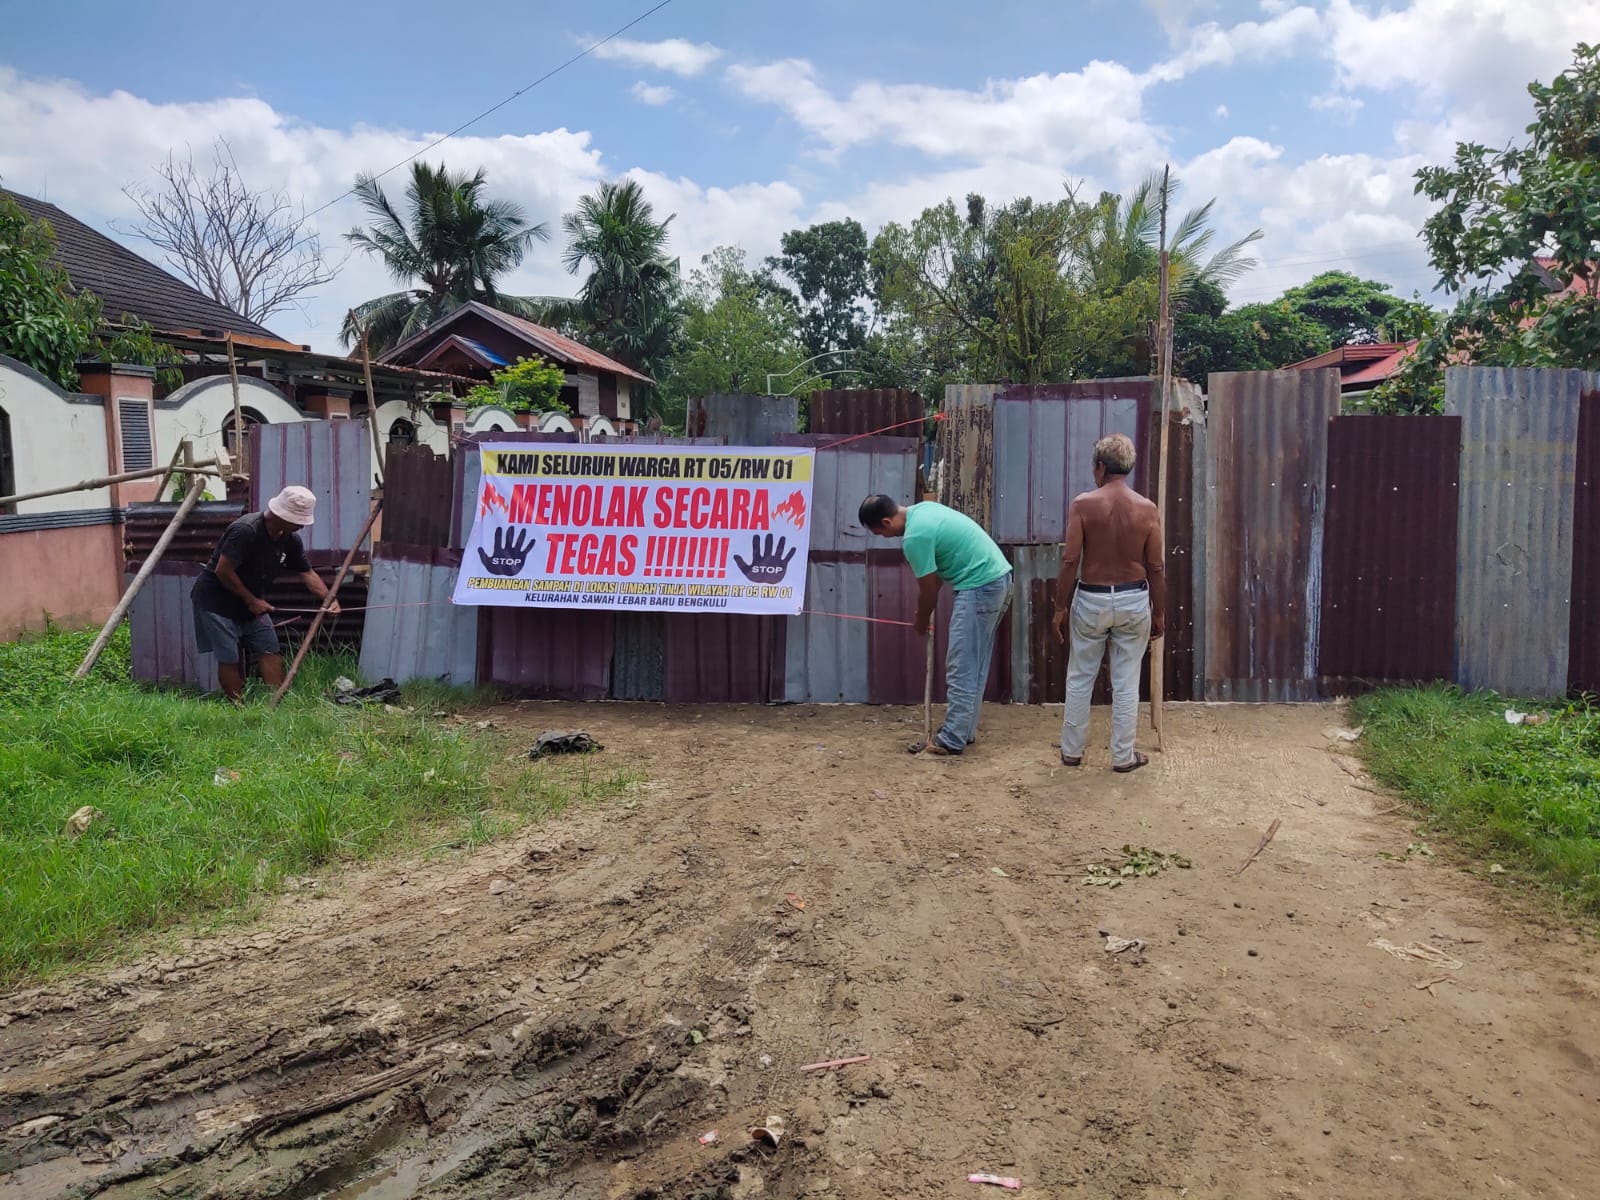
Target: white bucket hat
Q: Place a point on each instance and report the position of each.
(294, 505)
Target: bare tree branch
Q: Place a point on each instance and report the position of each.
(251, 251)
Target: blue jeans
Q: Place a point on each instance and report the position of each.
(1121, 621)
(973, 624)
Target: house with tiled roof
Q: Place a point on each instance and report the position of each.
(476, 340)
(1361, 367)
(129, 283)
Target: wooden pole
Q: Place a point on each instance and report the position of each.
(197, 487)
(238, 414)
(927, 695)
(372, 409)
(333, 592)
(178, 455)
(1158, 672)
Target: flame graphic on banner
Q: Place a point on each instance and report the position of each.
(490, 499)
(794, 508)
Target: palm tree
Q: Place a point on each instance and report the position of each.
(628, 302)
(1124, 240)
(452, 245)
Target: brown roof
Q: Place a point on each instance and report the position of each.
(1361, 366)
(129, 283)
(552, 345)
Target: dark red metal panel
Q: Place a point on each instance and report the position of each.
(545, 653)
(417, 497)
(863, 410)
(716, 658)
(1389, 551)
(196, 538)
(897, 656)
(1583, 655)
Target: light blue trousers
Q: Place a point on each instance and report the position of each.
(1122, 621)
(973, 623)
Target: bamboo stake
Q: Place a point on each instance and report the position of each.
(1158, 674)
(372, 409)
(927, 695)
(106, 481)
(322, 611)
(178, 454)
(238, 414)
(197, 487)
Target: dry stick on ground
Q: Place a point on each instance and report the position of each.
(322, 611)
(1271, 832)
(837, 1062)
(1164, 353)
(197, 487)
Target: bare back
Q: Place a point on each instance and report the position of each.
(1115, 533)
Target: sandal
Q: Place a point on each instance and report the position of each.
(933, 748)
(1139, 760)
(1070, 762)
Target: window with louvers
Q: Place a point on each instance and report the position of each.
(138, 453)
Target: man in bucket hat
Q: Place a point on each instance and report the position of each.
(228, 597)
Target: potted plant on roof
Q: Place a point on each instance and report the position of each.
(527, 388)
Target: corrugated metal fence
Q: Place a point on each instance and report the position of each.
(1583, 671)
(334, 460)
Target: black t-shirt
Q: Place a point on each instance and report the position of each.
(257, 556)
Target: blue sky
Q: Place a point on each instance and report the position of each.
(1306, 120)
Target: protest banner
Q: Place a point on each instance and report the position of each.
(646, 528)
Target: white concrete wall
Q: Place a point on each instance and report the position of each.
(430, 433)
(554, 422)
(198, 409)
(596, 427)
(490, 417)
(56, 439)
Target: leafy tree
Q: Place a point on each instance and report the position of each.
(738, 328)
(452, 244)
(527, 385)
(1514, 239)
(628, 302)
(1206, 337)
(1280, 335)
(1353, 310)
(827, 264)
(42, 322)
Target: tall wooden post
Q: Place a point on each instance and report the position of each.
(1158, 672)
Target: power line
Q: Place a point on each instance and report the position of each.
(550, 74)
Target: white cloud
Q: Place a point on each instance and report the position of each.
(1221, 112)
(1211, 45)
(79, 149)
(1475, 54)
(1072, 117)
(1341, 106)
(676, 55)
(652, 94)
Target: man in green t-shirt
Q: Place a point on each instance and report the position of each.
(945, 546)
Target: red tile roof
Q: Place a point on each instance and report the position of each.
(552, 345)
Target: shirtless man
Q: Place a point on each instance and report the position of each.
(1112, 588)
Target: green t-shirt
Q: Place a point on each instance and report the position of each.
(941, 541)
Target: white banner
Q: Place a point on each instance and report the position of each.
(653, 528)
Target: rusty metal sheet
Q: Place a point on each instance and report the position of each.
(743, 420)
(161, 626)
(412, 630)
(896, 655)
(1519, 440)
(845, 474)
(827, 647)
(1389, 552)
(417, 497)
(866, 410)
(1044, 449)
(1583, 662)
(333, 459)
(545, 653)
(639, 656)
(197, 537)
(1184, 531)
(717, 658)
(965, 467)
(1267, 434)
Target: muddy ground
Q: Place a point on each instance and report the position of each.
(564, 1015)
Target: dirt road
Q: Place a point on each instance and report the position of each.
(565, 1015)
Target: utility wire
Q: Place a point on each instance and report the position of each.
(550, 74)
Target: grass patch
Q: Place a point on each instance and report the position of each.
(179, 837)
(1529, 796)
